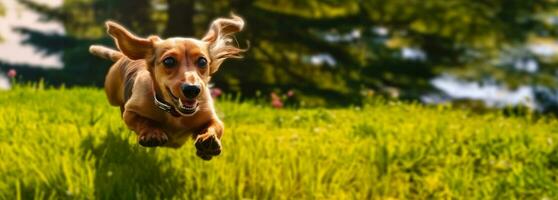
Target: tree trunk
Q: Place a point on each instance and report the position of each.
(180, 18)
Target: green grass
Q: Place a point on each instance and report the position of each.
(70, 144)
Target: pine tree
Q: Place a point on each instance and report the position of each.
(332, 50)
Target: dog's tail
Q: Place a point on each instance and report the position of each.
(105, 52)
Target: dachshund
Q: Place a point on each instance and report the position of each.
(161, 85)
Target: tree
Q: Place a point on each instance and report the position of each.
(333, 50)
(366, 38)
(84, 25)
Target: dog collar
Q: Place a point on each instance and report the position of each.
(164, 106)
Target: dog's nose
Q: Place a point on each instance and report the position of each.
(190, 91)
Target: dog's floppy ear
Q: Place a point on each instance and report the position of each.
(132, 46)
(220, 40)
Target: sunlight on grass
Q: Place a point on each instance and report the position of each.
(69, 143)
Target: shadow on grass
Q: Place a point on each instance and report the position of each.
(129, 171)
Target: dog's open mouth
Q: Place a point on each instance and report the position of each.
(184, 106)
(187, 107)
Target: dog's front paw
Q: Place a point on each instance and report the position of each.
(207, 145)
(152, 138)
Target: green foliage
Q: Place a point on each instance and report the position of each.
(70, 144)
(474, 39)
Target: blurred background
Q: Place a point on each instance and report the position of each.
(475, 53)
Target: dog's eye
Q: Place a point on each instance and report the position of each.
(202, 62)
(169, 62)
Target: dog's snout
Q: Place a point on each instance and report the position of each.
(190, 91)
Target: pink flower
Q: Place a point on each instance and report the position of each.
(216, 92)
(12, 73)
(290, 93)
(276, 101)
(277, 104)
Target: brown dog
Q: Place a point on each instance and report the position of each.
(161, 86)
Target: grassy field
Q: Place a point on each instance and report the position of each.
(70, 144)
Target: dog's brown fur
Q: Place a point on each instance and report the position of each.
(138, 74)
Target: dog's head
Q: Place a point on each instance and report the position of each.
(181, 67)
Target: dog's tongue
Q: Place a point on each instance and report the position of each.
(188, 102)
